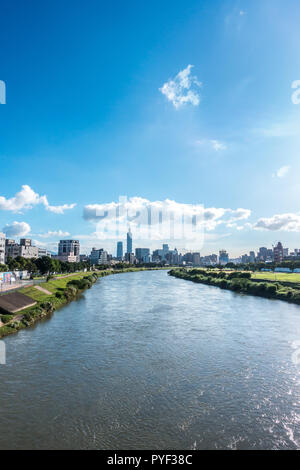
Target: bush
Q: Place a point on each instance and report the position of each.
(272, 289)
(6, 318)
(48, 306)
(237, 275)
(27, 316)
(70, 292)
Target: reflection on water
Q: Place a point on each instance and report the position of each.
(144, 360)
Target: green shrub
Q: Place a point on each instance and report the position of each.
(6, 318)
(48, 306)
(70, 292)
(27, 316)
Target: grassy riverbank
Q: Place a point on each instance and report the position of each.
(241, 282)
(53, 294)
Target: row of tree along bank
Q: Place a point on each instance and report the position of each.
(240, 282)
(47, 266)
(61, 291)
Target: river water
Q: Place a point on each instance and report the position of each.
(147, 361)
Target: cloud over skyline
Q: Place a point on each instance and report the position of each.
(55, 233)
(158, 220)
(285, 222)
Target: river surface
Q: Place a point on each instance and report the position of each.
(147, 361)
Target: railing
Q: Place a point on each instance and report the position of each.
(12, 286)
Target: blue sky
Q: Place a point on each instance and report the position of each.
(90, 116)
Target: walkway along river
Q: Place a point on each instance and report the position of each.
(144, 360)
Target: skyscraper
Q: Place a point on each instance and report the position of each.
(120, 250)
(129, 242)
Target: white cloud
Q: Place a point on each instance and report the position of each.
(216, 145)
(16, 229)
(286, 222)
(282, 172)
(240, 214)
(24, 199)
(183, 89)
(27, 198)
(50, 234)
(153, 219)
(56, 209)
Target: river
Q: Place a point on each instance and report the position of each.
(147, 361)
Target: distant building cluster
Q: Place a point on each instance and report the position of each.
(69, 251)
(276, 254)
(9, 248)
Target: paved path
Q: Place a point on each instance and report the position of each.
(43, 290)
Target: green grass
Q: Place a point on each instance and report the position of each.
(284, 277)
(53, 286)
(267, 276)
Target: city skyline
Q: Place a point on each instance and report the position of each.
(69, 250)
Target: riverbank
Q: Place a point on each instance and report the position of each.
(240, 282)
(53, 295)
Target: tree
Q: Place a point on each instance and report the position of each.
(45, 265)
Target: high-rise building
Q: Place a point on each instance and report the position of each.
(157, 256)
(2, 248)
(196, 259)
(24, 249)
(165, 248)
(278, 252)
(223, 257)
(11, 249)
(25, 242)
(98, 256)
(130, 258)
(142, 255)
(69, 250)
(263, 253)
(120, 250)
(129, 242)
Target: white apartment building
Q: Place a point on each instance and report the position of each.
(2, 248)
(24, 249)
